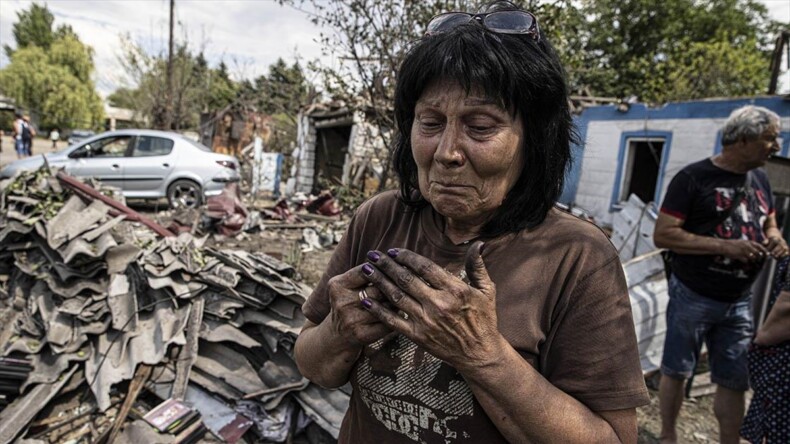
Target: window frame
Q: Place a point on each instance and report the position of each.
(626, 137)
(140, 136)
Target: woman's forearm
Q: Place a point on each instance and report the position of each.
(776, 328)
(532, 409)
(323, 356)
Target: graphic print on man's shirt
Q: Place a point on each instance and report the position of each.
(744, 223)
(413, 393)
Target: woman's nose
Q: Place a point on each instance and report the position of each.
(450, 152)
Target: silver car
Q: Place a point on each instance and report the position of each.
(144, 164)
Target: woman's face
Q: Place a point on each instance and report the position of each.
(468, 151)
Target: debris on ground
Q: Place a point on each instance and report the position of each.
(226, 212)
(116, 320)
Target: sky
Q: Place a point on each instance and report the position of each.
(248, 35)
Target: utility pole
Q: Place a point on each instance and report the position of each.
(169, 95)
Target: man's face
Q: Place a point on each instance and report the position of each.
(757, 152)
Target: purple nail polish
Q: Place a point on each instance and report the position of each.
(392, 252)
(373, 256)
(367, 269)
(366, 303)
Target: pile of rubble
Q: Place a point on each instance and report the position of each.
(116, 320)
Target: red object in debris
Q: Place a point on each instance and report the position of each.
(228, 208)
(324, 204)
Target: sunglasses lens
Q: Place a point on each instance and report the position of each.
(446, 22)
(509, 22)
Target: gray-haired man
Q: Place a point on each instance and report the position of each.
(718, 220)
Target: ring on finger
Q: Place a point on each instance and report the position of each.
(362, 294)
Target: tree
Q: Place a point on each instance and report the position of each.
(34, 27)
(50, 72)
(281, 94)
(370, 38)
(642, 47)
(124, 98)
(196, 87)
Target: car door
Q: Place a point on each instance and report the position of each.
(151, 161)
(102, 159)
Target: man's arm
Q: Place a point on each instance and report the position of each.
(774, 242)
(669, 234)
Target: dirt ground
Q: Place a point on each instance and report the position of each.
(696, 423)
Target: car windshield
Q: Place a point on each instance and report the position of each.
(197, 145)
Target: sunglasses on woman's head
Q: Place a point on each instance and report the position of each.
(502, 22)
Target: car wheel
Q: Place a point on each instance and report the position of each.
(184, 194)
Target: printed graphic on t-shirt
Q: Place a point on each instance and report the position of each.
(744, 223)
(413, 393)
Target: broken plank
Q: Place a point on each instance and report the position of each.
(189, 351)
(135, 387)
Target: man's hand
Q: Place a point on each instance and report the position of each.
(776, 246)
(743, 250)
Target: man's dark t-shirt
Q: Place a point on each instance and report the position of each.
(702, 193)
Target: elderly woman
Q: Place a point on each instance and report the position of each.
(464, 307)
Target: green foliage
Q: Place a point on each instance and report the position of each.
(284, 90)
(50, 73)
(716, 68)
(196, 87)
(70, 53)
(662, 50)
(281, 94)
(656, 50)
(124, 98)
(33, 27)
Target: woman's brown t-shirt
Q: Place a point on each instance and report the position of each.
(562, 303)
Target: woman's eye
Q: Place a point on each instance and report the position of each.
(481, 129)
(430, 124)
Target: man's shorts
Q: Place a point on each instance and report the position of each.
(725, 327)
(19, 146)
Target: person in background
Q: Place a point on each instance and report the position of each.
(19, 144)
(465, 307)
(2, 134)
(768, 419)
(719, 222)
(28, 133)
(54, 136)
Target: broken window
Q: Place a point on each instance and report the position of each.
(330, 154)
(641, 168)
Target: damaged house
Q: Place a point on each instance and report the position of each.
(337, 145)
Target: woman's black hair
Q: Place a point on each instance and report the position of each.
(526, 76)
